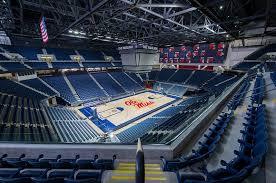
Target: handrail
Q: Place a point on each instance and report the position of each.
(140, 163)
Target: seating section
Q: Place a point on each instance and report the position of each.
(69, 127)
(27, 52)
(96, 64)
(65, 65)
(162, 132)
(109, 85)
(126, 82)
(165, 74)
(252, 145)
(38, 85)
(135, 78)
(273, 77)
(85, 86)
(200, 77)
(169, 89)
(13, 66)
(153, 75)
(22, 119)
(37, 65)
(91, 55)
(115, 54)
(261, 51)
(2, 57)
(11, 87)
(61, 54)
(118, 64)
(245, 66)
(25, 169)
(271, 66)
(238, 98)
(180, 76)
(59, 84)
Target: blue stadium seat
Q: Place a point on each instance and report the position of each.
(109, 85)
(85, 86)
(59, 84)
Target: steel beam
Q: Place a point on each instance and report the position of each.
(93, 10)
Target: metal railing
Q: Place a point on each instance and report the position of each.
(140, 164)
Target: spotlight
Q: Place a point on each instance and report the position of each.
(220, 7)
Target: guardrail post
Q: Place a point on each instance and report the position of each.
(140, 163)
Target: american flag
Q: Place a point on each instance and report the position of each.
(43, 30)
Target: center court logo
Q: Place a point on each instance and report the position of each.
(138, 104)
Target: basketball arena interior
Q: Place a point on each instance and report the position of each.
(122, 91)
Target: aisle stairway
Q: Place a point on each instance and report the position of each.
(125, 173)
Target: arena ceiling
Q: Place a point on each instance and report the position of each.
(155, 22)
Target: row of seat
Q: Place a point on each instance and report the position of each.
(38, 85)
(211, 138)
(238, 97)
(251, 153)
(30, 53)
(22, 119)
(71, 128)
(30, 175)
(11, 87)
(41, 169)
(259, 90)
(59, 84)
(205, 148)
(57, 163)
(128, 83)
(113, 85)
(84, 85)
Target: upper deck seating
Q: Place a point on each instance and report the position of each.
(61, 54)
(27, 52)
(13, 66)
(91, 55)
(65, 65)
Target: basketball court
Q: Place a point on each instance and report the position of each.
(118, 113)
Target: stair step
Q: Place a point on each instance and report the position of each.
(133, 164)
(133, 168)
(133, 172)
(119, 177)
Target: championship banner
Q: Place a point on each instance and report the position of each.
(210, 59)
(171, 49)
(201, 59)
(220, 53)
(221, 46)
(212, 46)
(195, 53)
(196, 47)
(176, 55)
(203, 53)
(183, 48)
